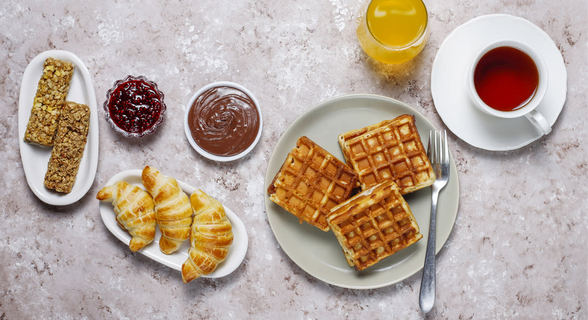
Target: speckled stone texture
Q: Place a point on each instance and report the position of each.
(518, 248)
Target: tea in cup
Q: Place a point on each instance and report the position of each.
(508, 79)
(393, 31)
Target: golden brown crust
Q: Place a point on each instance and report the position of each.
(68, 149)
(172, 209)
(389, 150)
(51, 94)
(373, 225)
(310, 182)
(134, 211)
(210, 238)
(356, 133)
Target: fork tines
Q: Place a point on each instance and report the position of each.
(438, 140)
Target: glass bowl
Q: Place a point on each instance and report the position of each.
(134, 106)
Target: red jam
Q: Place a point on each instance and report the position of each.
(135, 105)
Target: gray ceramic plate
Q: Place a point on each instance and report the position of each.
(318, 252)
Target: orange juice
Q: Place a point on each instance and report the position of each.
(393, 31)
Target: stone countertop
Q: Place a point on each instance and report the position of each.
(518, 248)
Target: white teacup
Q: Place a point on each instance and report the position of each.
(528, 110)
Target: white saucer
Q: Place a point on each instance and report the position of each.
(449, 90)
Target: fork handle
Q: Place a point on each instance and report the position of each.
(427, 294)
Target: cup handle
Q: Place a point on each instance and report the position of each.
(539, 121)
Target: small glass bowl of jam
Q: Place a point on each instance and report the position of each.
(134, 107)
(223, 121)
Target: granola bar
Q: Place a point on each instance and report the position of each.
(51, 93)
(68, 149)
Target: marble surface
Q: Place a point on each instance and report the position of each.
(518, 248)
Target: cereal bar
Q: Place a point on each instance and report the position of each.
(68, 149)
(51, 93)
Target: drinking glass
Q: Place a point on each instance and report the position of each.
(393, 31)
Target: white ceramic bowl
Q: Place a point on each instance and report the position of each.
(203, 152)
(533, 103)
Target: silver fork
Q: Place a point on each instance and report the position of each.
(438, 152)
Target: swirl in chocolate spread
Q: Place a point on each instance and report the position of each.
(223, 121)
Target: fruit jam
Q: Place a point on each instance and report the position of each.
(135, 105)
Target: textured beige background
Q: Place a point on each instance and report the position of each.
(518, 249)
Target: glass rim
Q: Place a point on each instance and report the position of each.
(418, 37)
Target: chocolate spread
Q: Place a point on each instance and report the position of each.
(223, 121)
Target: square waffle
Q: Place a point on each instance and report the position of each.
(373, 225)
(311, 182)
(389, 150)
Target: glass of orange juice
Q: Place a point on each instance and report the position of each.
(393, 31)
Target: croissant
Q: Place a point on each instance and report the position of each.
(172, 209)
(134, 211)
(210, 239)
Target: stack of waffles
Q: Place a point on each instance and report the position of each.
(387, 160)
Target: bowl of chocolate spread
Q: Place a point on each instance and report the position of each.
(223, 121)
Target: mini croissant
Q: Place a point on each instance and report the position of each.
(211, 237)
(134, 211)
(172, 209)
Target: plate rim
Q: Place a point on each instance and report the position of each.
(468, 24)
(106, 209)
(268, 202)
(93, 141)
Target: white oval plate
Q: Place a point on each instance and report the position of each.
(449, 89)
(318, 252)
(34, 157)
(175, 260)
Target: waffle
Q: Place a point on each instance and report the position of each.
(373, 225)
(389, 150)
(311, 182)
